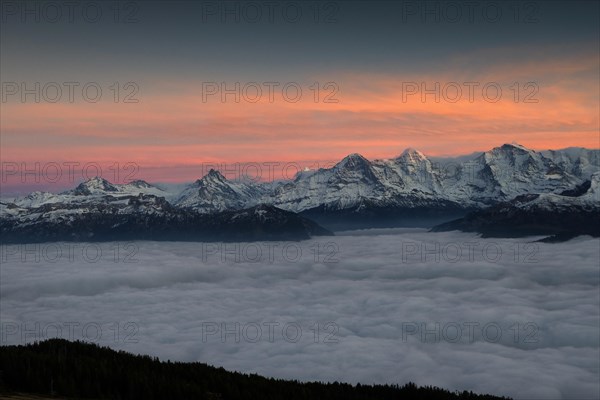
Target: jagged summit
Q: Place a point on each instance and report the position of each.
(212, 176)
(95, 185)
(353, 161)
(215, 175)
(412, 156)
(213, 192)
(412, 153)
(514, 146)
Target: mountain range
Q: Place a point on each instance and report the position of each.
(409, 190)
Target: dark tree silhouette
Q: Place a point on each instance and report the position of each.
(84, 370)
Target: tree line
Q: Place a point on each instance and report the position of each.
(58, 367)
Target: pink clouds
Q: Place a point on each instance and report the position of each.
(372, 117)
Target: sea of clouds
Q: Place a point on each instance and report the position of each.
(501, 316)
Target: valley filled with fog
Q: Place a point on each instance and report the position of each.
(376, 306)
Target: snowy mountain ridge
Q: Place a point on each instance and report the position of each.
(410, 181)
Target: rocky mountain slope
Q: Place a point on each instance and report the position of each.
(565, 215)
(409, 190)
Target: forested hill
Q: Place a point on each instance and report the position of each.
(83, 370)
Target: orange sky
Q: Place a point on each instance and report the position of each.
(371, 117)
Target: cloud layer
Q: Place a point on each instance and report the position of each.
(382, 306)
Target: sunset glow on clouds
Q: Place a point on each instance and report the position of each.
(372, 116)
(172, 128)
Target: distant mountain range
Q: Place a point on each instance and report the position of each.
(489, 189)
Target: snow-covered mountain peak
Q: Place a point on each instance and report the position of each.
(508, 150)
(139, 183)
(213, 192)
(411, 158)
(412, 154)
(212, 178)
(97, 181)
(95, 185)
(98, 186)
(353, 161)
(215, 175)
(515, 145)
(517, 159)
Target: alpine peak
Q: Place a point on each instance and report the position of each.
(352, 161)
(412, 153)
(214, 175)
